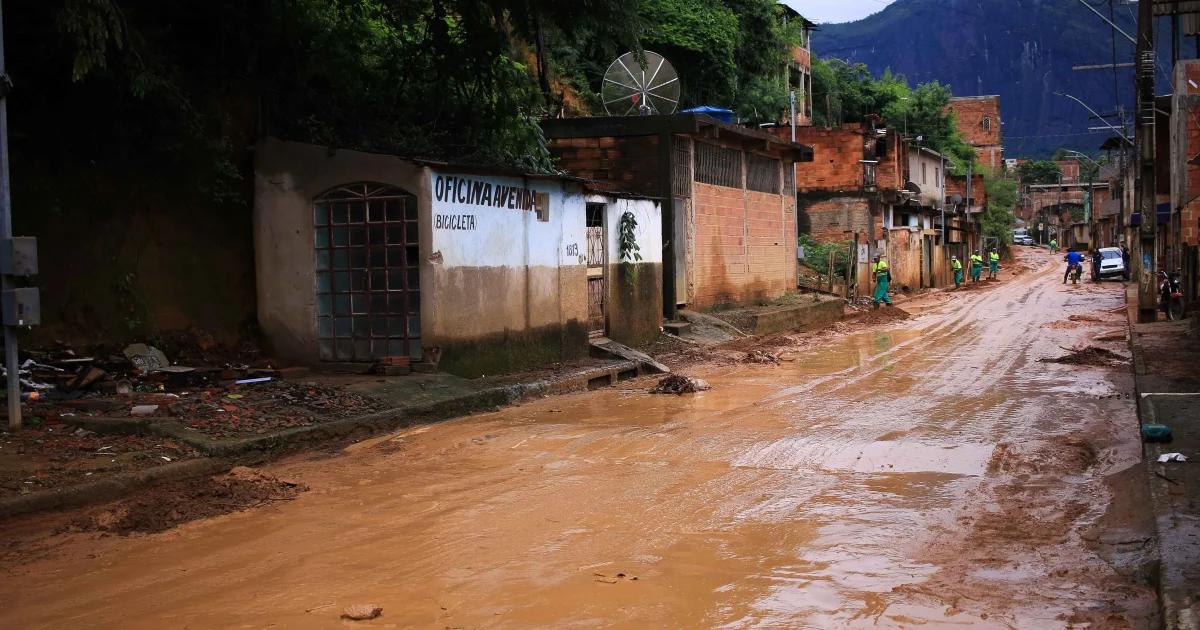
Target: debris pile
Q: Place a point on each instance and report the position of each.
(124, 410)
(761, 357)
(679, 385)
(168, 505)
(1091, 355)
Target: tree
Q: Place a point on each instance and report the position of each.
(854, 94)
(1036, 172)
(1003, 194)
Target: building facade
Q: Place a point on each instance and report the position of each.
(730, 229)
(362, 256)
(979, 120)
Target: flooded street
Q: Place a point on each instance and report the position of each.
(932, 473)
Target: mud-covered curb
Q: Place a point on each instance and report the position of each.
(1174, 606)
(109, 488)
(221, 455)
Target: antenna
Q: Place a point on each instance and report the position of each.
(632, 90)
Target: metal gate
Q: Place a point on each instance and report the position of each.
(368, 278)
(595, 269)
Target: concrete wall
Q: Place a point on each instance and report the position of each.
(633, 310)
(288, 176)
(925, 170)
(511, 291)
(904, 248)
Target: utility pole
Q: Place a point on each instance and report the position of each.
(1145, 185)
(18, 257)
(10, 333)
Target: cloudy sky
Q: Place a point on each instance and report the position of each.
(837, 10)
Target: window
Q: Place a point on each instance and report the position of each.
(937, 174)
(368, 274)
(762, 173)
(987, 123)
(717, 165)
(923, 178)
(541, 202)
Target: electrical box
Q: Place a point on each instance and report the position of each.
(18, 256)
(22, 307)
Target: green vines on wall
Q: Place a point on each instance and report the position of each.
(628, 247)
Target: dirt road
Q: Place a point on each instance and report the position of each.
(934, 473)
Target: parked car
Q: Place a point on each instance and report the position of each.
(1027, 240)
(1111, 263)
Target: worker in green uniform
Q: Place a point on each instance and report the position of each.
(1053, 245)
(956, 266)
(993, 264)
(883, 277)
(976, 266)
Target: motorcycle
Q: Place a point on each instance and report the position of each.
(1170, 296)
(1075, 273)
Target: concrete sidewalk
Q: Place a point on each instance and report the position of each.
(411, 400)
(1166, 362)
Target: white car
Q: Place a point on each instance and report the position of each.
(1023, 240)
(1111, 262)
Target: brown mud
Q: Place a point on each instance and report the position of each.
(931, 472)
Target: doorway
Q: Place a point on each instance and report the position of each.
(596, 246)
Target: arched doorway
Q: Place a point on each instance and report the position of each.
(368, 277)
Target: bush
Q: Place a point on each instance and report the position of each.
(816, 254)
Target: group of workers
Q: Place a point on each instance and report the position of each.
(883, 276)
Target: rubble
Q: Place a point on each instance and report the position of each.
(360, 612)
(112, 402)
(761, 357)
(1091, 355)
(679, 385)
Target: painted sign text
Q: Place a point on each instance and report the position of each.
(464, 190)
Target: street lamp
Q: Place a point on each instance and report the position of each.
(1098, 116)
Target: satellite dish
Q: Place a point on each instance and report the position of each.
(631, 90)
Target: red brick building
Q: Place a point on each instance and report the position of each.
(799, 69)
(729, 232)
(979, 120)
(1183, 243)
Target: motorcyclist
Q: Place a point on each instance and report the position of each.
(1073, 258)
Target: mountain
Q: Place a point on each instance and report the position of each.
(1022, 50)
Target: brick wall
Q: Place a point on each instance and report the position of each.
(829, 218)
(630, 163)
(970, 112)
(1070, 171)
(836, 155)
(958, 184)
(745, 246)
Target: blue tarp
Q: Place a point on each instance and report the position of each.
(723, 115)
(1164, 216)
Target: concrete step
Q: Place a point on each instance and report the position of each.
(620, 351)
(677, 328)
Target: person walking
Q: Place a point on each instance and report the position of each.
(1125, 261)
(956, 266)
(976, 266)
(883, 277)
(993, 264)
(1053, 245)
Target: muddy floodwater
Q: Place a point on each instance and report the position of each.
(933, 473)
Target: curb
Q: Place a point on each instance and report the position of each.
(222, 455)
(1169, 606)
(110, 488)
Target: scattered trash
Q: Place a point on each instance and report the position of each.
(167, 458)
(1156, 433)
(361, 612)
(247, 381)
(679, 384)
(146, 358)
(761, 357)
(234, 396)
(1172, 457)
(143, 410)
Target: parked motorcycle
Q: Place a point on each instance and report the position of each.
(1170, 296)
